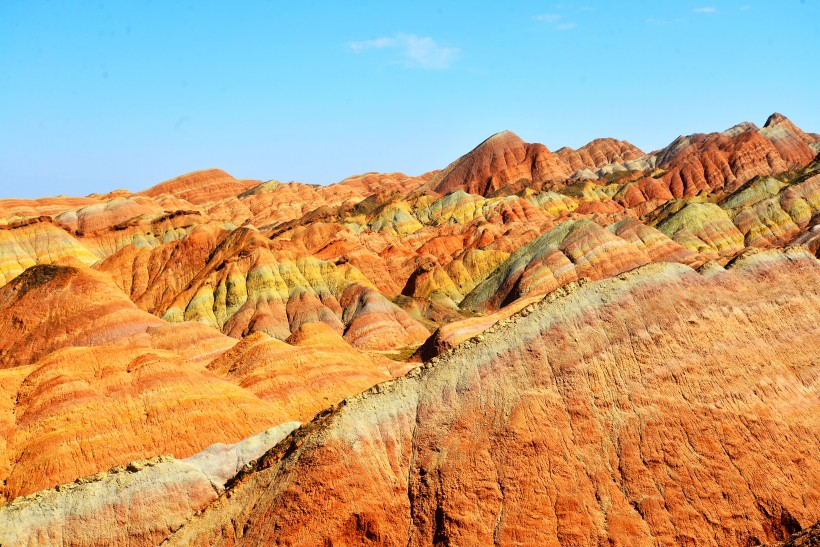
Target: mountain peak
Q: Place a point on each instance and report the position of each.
(777, 119)
(505, 136)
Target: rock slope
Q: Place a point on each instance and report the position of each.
(611, 361)
(156, 496)
(662, 406)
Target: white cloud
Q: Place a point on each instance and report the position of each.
(548, 17)
(708, 9)
(377, 43)
(553, 20)
(417, 51)
(747, 7)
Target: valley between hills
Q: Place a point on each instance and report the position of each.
(592, 346)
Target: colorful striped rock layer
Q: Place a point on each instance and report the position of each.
(582, 347)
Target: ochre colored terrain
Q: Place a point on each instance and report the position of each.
(582, 347)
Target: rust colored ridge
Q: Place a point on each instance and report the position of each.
(371, 183)
(598, 153)
(48, 307)
(810, 537)
(791, 142)
(109, 214)
(22, 223)
(22, 208)
(130, 222)
(153, 277)
(623, 390)
(275, 204)
(79, 411)
(315, 369)
(143, 232)
(500, 161)
(719, 163)
(200, 187)
(722, 162)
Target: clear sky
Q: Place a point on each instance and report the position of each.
(102, 95)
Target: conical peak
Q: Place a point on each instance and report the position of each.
(776, 119)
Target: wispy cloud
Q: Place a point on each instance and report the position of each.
(554, 19)
(416, 51)
(548, 17)
(708, 9)
(747, 7)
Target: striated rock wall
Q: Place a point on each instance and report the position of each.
(658, 407)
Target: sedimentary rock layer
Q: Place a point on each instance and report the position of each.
(156, 496)
(662, 406)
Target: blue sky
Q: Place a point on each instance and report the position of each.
(102, 95)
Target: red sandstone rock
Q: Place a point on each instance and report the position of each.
(598, 153)
(324, 269)
(200, 187)
(501, 160)
(51, 307)
(612, 413)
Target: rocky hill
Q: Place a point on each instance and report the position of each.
(577, 347)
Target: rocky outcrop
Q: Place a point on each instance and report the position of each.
(156, 496)
(621, 411)
(810, 537)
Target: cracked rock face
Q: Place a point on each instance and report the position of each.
(658, 407)
(154, 497)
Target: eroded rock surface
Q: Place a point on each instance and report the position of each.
(659, 407)
(155, 496)
(664, 391)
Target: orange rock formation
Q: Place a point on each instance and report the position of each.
(576, 347)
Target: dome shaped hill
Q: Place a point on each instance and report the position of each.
(201, 187)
